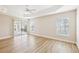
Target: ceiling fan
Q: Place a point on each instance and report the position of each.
(28, 11)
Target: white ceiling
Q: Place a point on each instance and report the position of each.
(40, 10)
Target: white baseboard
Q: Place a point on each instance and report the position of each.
(5, 37)
(77, 45)
(52, 38)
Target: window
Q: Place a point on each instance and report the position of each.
(63, 26)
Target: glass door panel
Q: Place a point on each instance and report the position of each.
(20, 27)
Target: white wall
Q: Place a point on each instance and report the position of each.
(77, 27)
(46, 26)
(5, 26)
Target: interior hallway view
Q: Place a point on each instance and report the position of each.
(39, 29)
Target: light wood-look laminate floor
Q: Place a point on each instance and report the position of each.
(34, 44)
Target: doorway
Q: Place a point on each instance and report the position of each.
(20, 27)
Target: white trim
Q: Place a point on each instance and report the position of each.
(61, 10)
(77, 45)
(5, 37)
(52, 38)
